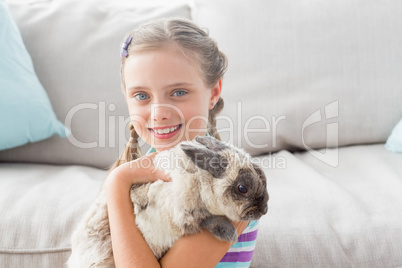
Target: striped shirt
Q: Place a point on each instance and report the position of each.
(241, 252)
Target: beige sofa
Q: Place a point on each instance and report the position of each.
(313, 91)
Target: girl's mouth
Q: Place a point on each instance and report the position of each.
(166, 132)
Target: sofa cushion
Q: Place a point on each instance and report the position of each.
(318, 216)
(26, 114)
(40, 206)
(321, 216)
(308, 74)
(75, 48)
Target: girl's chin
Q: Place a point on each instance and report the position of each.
(161, 149)
(163, 145)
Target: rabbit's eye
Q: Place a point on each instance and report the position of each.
(242, 189)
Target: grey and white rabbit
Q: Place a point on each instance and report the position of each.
(212, 183)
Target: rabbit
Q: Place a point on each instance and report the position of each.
(213, 183)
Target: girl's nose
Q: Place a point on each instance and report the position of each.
(161, 112)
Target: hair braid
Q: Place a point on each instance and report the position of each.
(132, 150)
(212, 130)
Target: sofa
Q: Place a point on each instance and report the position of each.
(313, 92)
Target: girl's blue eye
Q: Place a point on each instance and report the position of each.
(179, 93)
(141, 96)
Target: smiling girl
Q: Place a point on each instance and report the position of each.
(171, 76)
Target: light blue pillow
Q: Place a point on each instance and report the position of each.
(394, 141)
(26, 114)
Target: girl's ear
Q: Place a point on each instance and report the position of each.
(215, 93)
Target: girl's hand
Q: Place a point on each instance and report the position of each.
(151, 173)
(141, 170)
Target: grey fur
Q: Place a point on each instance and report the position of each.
(206, 159)
(211, 143)
(219, 226)
(204, 193)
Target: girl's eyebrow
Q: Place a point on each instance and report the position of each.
(138, 88)
(179, 84)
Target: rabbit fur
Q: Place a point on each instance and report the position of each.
(212, 184)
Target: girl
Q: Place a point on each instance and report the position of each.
(171, 75)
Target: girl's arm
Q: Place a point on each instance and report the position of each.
(129, 247)
(199, 250)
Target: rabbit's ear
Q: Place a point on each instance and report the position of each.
(206, 159)
(211, 143)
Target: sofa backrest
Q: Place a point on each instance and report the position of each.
(75, 48)
(306, 74)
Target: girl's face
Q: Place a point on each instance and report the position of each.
(167, 98)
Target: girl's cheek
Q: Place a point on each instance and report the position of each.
(139, 118)
(136, 109)
(196, 113)
(196, 124)
(141, 130)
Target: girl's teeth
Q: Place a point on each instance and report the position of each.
(165, 130)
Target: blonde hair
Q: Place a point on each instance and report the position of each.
(195, 44)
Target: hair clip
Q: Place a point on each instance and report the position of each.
(123, 52)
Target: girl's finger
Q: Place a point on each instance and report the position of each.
(167, 179)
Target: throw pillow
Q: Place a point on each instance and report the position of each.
(76, 49)
(394, 141)
(26, 114)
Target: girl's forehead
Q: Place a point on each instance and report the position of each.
(163, 62)
(170, 48)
